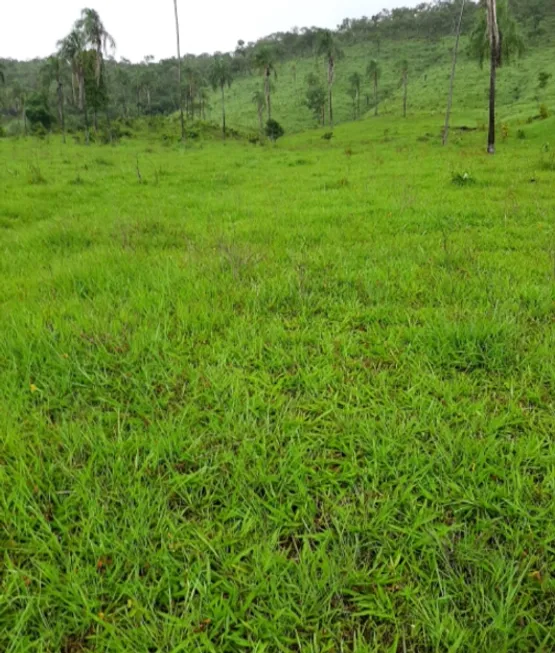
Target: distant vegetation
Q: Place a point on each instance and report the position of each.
(331, 75)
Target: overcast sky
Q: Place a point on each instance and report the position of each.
(141, 27)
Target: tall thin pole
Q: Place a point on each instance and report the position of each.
(179, 71)
(493, 32)
(452, 82)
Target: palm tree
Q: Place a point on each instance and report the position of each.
(355, 82)
(72, 50)
(259, 100)
(180, 92)
(52, 71)
(2, 75)
(328, 47)
(220, 77)
(265, 61)
(95, 35)
(403, 66)
(497, 37)
(453, 70)
(374, 72)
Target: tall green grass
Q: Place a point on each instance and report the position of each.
(290, 398)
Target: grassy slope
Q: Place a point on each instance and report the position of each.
(429, 78)
(278, 399)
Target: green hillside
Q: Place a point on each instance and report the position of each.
(430, 68)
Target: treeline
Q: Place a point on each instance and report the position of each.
(39, 91)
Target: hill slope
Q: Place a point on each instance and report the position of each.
(430, 67)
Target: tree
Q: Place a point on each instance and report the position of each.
(95, 89)
(220, 77)
(496, 36)
(52, 71)
(355, 82)
(259, 100)
(71, 49)
(36, 111)
(316, 98)
(179, 90)
(404, 70)
(274, 130)
(452, 81)
(96, 36)
(374, 72)
(265, 61)
(2, 75)
(328, 47)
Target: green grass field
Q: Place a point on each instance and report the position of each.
(291, 398)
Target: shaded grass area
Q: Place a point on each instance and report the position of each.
(292, 398)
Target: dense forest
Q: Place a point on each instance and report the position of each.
(42, 93)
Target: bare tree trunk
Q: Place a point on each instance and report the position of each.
(452, 82)
(95, 119)
(493, 33)
(492, 84)
(24, 109)
(376, 94)
(223, 112)
(268, 94)
(61, 116)
(83, 97)
(330, 91)
(260, 119)
(180, 95)
(405, 93)
(81, 91)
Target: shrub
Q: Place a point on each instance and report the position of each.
(544, 111)
(521, 134)
(274, 130)
(543, 79)
(37, 112)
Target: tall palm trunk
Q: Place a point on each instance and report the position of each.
(98, 67)
(84, 107)
(376, 94)
(260, 118)
(81, 90)
(73, 87)
(493, 34)
(268, 94)
(452, 82)
(330, 91)
(180, 94)
(61, 116)
(24, 112)
(223, 111)
(405, 92)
